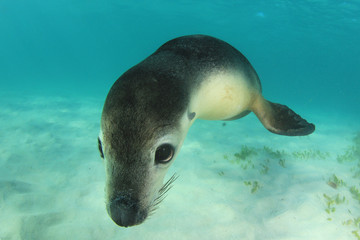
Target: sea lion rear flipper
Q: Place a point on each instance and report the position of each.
(280, 119)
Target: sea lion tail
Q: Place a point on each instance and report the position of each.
(280, 119)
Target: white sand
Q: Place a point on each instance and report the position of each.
(52, 179)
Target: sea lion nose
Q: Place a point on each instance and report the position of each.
(125, 212)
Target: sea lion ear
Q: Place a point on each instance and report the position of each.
(191, 115)
(281, 120)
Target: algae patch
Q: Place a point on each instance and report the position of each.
(254, 185)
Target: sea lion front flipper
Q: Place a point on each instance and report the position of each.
(280, 119)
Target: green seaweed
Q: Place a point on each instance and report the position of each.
(339, 200)
(335, 182)
(255, 186)
(330, 210)
(356, 141)
(356, 233)
(247, 183)
(311, 154)
(357, 222)
(264, 169)
(245, 152)
(243, 157)
(332, 201)
(352, 153)
(282, 162)
(348, 156)
(355, 193)
(244, 164)
(356, 170)
(274, 154)
(348, 222)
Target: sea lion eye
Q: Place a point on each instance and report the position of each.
(100, 148)
(164, 153)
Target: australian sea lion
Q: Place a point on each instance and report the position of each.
(151, 107)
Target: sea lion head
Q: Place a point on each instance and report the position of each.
(143, 126)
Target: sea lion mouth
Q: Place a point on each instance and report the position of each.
(126, 211)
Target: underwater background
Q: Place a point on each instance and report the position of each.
(58, 60)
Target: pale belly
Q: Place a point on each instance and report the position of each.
(223, 95)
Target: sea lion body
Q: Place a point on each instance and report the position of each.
(151, 107)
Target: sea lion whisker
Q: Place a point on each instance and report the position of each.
(165, 187)
(162, 192)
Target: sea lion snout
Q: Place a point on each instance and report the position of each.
(125, 211)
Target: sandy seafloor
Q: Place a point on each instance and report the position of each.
(52, 178)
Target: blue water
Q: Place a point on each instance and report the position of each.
(307, 52)
(58, 60)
